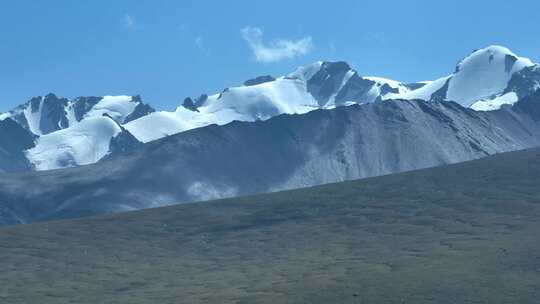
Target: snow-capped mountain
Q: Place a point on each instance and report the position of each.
(74, 132)
(46, 114)
(486, 80)
(322, 85)
(481, 81)
(284, 152)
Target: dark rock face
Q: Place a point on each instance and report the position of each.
(258, 80)
(525, 82)
(338, 81)
(281, 153)
(49, 111)
(327, 80)
(386, 88)
(123, 143)
(20, 118)
(414, 86)
(53, 116)
(354, 90)
(509, 62)
(223, 92)
(83, 105)
(14, 140)
(530, 105)
(140, 110)
(189, 104)
(440, 94)
(193, 105)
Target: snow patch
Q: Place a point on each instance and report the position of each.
(252, 103)
(160, 124)
(70, 114)
(391, 83)
(496, 103)
(82, 144)
(118, 107)
(423, 93)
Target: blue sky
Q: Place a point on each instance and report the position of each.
(167, 50)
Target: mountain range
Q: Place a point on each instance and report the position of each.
(69, 133)
(322, 123)
(84, 130)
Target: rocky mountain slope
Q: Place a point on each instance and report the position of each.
(14, 139)
(284, 152)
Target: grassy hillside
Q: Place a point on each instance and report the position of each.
(466, 233)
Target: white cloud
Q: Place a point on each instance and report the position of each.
(129, 22)
(277, 50)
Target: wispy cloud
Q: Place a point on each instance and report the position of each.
(129, 22)
(277, 50)
(199, 42)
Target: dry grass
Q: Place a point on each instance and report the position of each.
(466, 233)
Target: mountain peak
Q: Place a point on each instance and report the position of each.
(484, 74)
(258, 80)
(51, 96)
(306, 72)
(335, 66)
(494, 55)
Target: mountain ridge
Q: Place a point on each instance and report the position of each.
(485, 80)
(285, 152)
